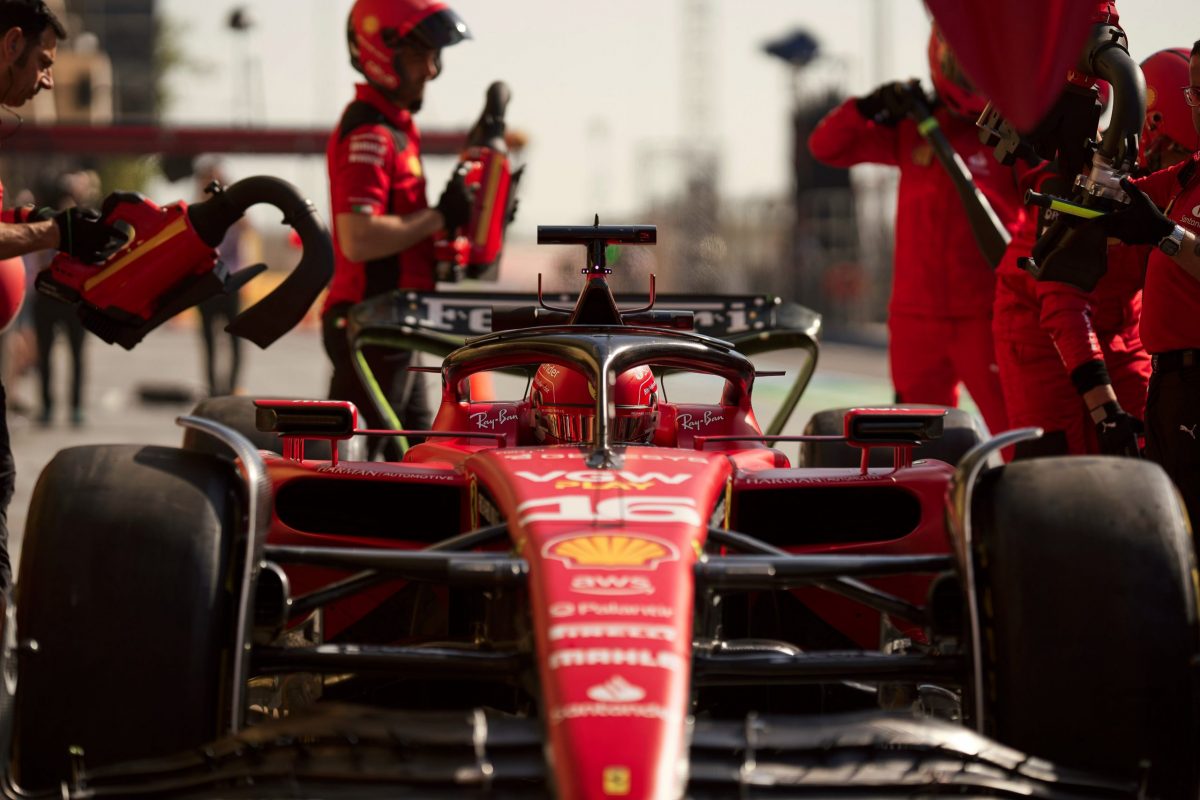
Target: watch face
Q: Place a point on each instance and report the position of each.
(1171, 243)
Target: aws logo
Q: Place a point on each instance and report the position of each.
(612, 585)
(591, 550)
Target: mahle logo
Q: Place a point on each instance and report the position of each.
(590, 550)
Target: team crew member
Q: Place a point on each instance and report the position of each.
(29, 36)
(382, 223)
(1071, 362)
(940, 313)
(1171, 303)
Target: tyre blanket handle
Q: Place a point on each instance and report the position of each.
(170, 264)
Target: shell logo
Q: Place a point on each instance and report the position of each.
(590, 551)
(370, 25)
(1151, 97)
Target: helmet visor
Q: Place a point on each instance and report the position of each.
(440, 29)
(635, 427)
(566, 427)
(577, 427)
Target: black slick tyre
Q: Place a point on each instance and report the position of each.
(126, 585)
(237, 412)
(962, 432)
(1088, 617)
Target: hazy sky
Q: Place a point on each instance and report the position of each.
(596, 86)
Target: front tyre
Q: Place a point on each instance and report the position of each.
(125, 585)
(1085, 581)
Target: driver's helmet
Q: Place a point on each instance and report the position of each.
(951, 84)
(564, 406)
(376, 29)
(1168, 119)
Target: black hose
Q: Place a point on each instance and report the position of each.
(281, 310)
(1107, 57)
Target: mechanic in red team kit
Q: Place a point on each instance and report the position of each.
(382, 223)
(29, 36)
(1072, 362)
(940, 314)
(1164, 212)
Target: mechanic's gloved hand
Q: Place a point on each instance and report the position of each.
(83, 236)
(455, 203)
(1140, 222)
(1118, 431)
(888, 104)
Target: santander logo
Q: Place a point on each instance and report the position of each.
(616, 690)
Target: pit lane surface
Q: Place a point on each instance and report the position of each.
(296, 367)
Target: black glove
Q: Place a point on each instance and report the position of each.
(455, 203)
(1140, 222)
(1118, 432)
(888, 104)
(83, 236)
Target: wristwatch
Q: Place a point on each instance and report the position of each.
(1172, 242)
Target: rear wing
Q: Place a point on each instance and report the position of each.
(440, 322)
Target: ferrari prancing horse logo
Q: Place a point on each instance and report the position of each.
(592, 550)
(616, 781)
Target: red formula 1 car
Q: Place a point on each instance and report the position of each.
(611, 584)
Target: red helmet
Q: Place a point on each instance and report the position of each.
(376, 28)
(564, 406)
(951, 84)
(1168, 119)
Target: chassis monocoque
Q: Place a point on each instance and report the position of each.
(693, 616)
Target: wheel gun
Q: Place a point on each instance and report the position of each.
(170, 264)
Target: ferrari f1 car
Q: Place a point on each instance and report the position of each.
(598, 588)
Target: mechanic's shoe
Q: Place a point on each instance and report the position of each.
(44, 418)
(77, 418)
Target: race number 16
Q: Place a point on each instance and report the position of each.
(580, 508)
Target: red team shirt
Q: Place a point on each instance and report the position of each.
(375, 168)
(1171, 298)
(939, 271)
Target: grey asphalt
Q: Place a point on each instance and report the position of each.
(293, 366)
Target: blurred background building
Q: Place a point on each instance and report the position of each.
(690, 114)
(118, 65)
